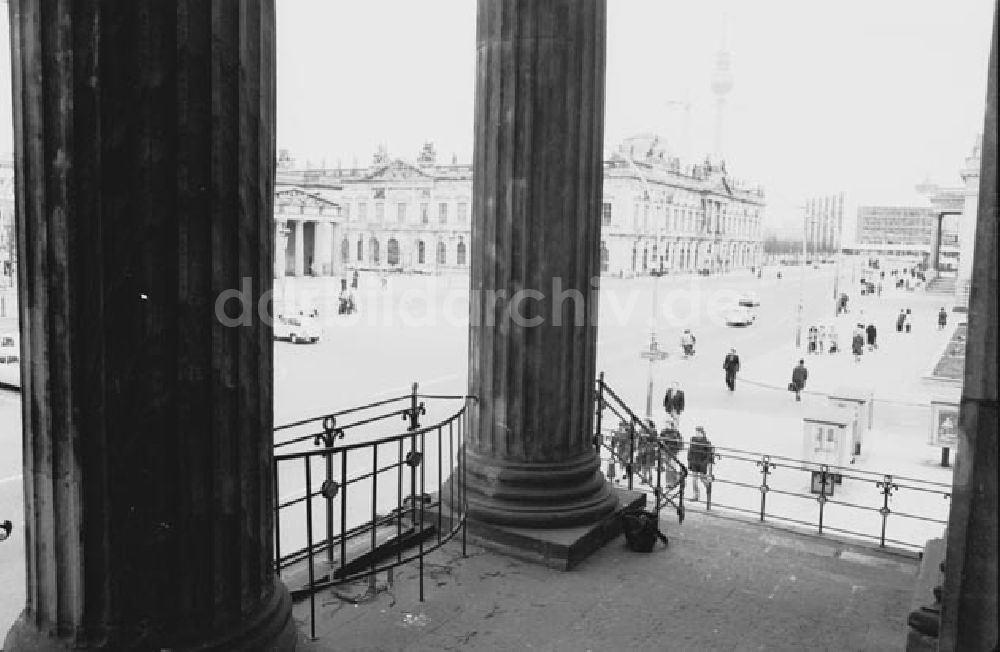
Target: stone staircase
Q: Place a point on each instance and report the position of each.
(942, 285)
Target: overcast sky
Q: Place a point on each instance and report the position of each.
(864, 96)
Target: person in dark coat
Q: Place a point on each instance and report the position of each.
(900, 320)
(672, 443)
(907, 323)
(870, 333)
(858, 344)
(732, 365)
(354, 280)
(673, 401)
(701, 455)
(942, 318)
(799, 376)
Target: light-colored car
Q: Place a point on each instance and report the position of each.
(298, 329)
(9, 350)
(741, 316)
(751, 301)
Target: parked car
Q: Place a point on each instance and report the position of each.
(299, 329)
(741, 316)
(749, 301)
(9, 350)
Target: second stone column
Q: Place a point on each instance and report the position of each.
(539, 134)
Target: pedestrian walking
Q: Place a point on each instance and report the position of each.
(811, 338)
(942, 318)
(870, 333)
(799, 376)
(731, 364)
(900, 320)
(673, 401)
(354, 280)
(834, 340)
(858, 344)
(878, 288)
(907, 321)
(701, 455)
(672, 443)
(821, 340)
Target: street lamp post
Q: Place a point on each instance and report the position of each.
(802, 284)
(653, 352)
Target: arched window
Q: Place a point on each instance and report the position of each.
(421, 252)
(460, 253)
(373, 251)
(442, 254)
(361, 249)
(605, 257)
(634, 252)
(392, 252)
(345, 251)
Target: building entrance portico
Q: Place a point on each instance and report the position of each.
(310, 222)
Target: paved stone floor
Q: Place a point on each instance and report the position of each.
(721, 584)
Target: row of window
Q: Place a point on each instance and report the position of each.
(393, 253)
(678, 220)
(402, 208)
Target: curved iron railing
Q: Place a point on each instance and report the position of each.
(350, 510)
(644, 454)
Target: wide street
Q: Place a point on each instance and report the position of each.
(416, 329)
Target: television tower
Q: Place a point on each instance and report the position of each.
(722, 84)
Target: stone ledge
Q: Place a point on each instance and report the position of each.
(561, 548)
(928, 577)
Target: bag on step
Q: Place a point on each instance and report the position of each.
(641, 530)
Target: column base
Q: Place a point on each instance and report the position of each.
(558, 548)
(270, 628)
(560, 494)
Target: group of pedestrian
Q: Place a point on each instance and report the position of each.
(904, 320)
(822, 339)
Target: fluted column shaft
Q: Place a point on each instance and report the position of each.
(969, 606)
(539, 132)
(144, 157)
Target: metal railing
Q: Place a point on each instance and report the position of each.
(350, 510)
(890, 510)
(649, 460)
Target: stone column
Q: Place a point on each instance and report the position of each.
(322, 247)
(539, 133)
(299, 235)
(144, 146)
(936, 241)
(969, 609)
(279, 250)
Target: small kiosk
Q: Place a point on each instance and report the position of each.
(826, 439)
(944, 427)
(861, 401)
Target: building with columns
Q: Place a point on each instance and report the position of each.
(416, 216)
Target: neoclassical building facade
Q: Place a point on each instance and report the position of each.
(416, 216)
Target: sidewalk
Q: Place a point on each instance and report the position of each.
(721, 584)
(894, 371)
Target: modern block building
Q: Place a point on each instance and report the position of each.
(824, 226)
(417, 215)
(895, 225)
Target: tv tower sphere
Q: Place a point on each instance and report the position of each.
(722, 75)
